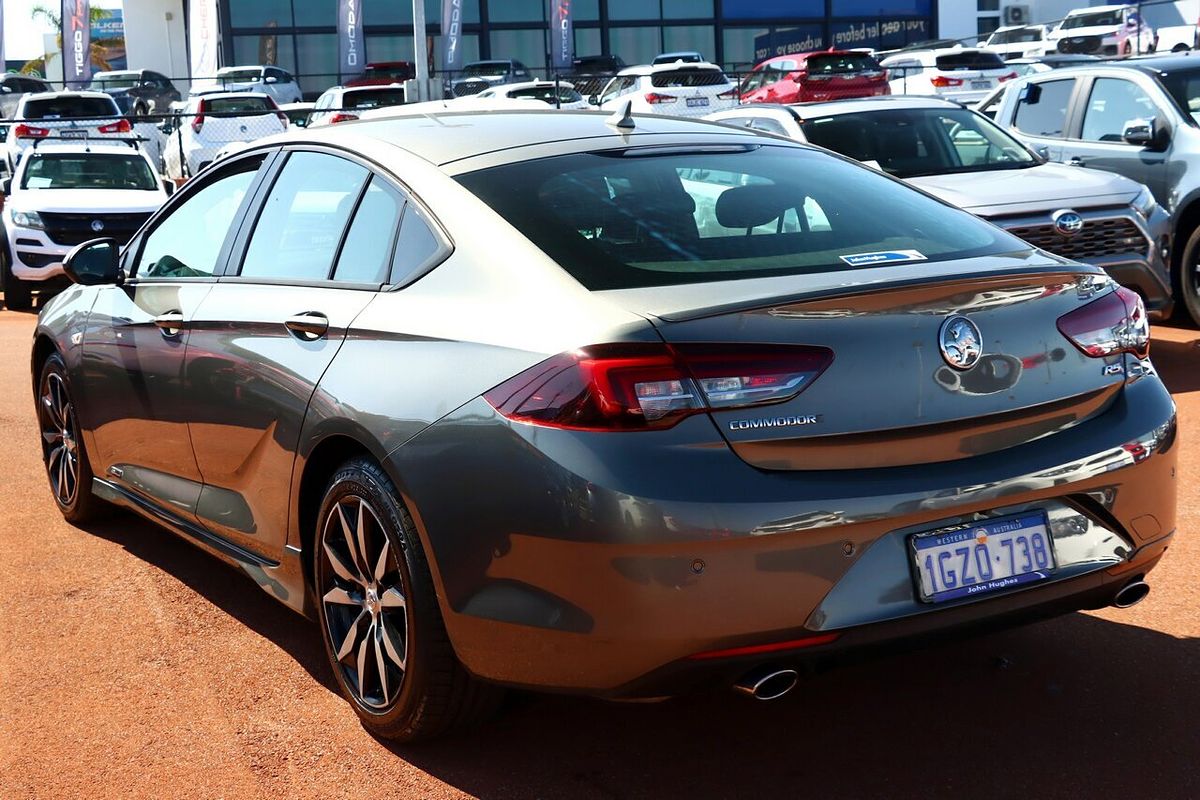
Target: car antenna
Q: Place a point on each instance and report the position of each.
(623, 117)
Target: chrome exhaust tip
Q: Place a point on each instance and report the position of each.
(1131, 594)
(767, 684)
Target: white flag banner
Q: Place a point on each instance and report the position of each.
(202, 40)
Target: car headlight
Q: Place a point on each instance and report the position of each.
(1145, 203)
(28, 219)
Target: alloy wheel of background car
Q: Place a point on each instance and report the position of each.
(63, 450)
(1188, 278)
(363, 600)
(380, 622)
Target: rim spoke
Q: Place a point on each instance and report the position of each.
(339, 566)
(62, 480)
(362, 662)
(391, 645)
(383, 681)
(55, 454)
(392, 599)
(355, 559)
(381, 564)
(361, 533)
(351, 637)
(52, 436)
(339, 596)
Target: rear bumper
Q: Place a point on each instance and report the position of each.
(603, 563)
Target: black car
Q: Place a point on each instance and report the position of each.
(14, 87)
(589, 74)
(137, 92)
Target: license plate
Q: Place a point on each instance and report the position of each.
(694, 102)
(73, 134)
(981, 84)
(976, 559)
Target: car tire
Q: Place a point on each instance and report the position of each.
(141, 110)
(1187, 278)
(64, 452)
(18, 294)
(379, 617)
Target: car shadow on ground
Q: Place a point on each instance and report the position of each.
(1176, 356)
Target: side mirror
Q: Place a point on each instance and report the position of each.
(6, 186)
(1138, 132)
(593, 100)
(94, 263)
(168, 186)
(271, 79)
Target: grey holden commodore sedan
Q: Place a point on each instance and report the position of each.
(538, 399)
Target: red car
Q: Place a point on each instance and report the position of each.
(815, 77)
(385, 73)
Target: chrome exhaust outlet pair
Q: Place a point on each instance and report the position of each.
(767, 683)
(1131, 594)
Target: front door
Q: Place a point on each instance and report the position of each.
(135, 342)
(263, 338)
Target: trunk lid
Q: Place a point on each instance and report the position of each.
(890, 397)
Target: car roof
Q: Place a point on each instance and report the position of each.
(111, 72)
(92, 146)
(837, 107)
(1078, 12)
(64, 93)
(443, 137)
(654, 69)
(244, 66)
(1153, 65)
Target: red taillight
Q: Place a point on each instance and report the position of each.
(941, 81)
(29, 132)
(120, 126)
(1009, 77)
(342, 116)
(653, 386)
(283, 118)
(1116, 323)
(774, 647)
(198, 123)
(654, 98)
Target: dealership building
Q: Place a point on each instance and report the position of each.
(300, 35)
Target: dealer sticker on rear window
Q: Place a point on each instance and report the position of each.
(882, 257)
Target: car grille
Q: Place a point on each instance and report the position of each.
(73, 229)
(469, 87)
(1102, 237)
(1081, 44)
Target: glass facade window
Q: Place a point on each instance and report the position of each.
(526, 46)
(635, 45)
(261, 13)
(701, 38)
(517, 11)
(272, 48)
(775, 9)
(687, 9)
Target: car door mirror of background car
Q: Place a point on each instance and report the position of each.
(271, 79)
(1144, 133)
(168, 186)
(6, 186)
(94, 263)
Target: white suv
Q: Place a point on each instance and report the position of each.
(1104, 31)
(679, 88)
(66, 115)
(67, 193)
(960, 74)
(273, 81)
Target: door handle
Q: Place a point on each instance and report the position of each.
(1075, 161)
(170, 324)
(308, 325)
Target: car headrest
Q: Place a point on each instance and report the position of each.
(751, 206)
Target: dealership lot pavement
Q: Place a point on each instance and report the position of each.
(133, 665)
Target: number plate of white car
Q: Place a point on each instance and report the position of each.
(697, 101)
(981, 84)
(982, 557)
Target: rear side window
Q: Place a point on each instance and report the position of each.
(841, 64)
(303, 219)
(684, 78)
(367, 253)
(623, 220)
(416, 245)
(374, 98)
(71, 108)
(971, 60)
(1042, 108)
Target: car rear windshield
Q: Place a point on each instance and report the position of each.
(1098, 18)
(660, 216)
(841, 64)
(240, 75)
(481, 68)
(236, 105)
(399, 71)
(683, 78)
(546, 94)
(117, 80)
(908, 142)
(978, 59)
(88, 171)
(373, 98)
(71, 107)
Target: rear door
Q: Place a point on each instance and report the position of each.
(317, 254)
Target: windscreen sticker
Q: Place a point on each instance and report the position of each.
(882, 257)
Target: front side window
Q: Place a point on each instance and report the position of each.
(616, 220)
(1042, 108)
(88, 171)
(1115, 103)
(303, 218)
(187, 243)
